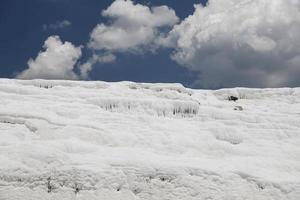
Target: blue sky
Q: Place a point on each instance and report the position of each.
(218, 54)
(22, 36)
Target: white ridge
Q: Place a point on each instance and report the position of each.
(126, 140)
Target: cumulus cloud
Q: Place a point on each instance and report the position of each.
(56, 61)
(133, 26)
(241, 43)
(57, 25)
(253, 43)
(88, 66)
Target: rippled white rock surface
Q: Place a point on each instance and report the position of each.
(98, 140)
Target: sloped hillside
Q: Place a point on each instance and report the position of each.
(98, 140)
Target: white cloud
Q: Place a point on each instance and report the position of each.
(57, 25)
(133, 26)
(88, 66)
(55, 62)
(241, 43)
(253, 43)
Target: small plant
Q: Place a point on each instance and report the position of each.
(119, 188)
(49, 186)
(162, 178)
(76, 188)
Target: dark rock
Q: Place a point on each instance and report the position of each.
(239, 108)
(232, 98)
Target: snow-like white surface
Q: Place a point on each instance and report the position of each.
(98, 140)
